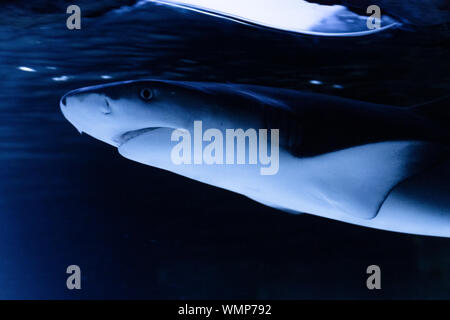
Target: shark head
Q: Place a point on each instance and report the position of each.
(116, 112)
(150, 121)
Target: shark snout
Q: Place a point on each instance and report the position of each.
(71, 94)
(93, 111)
(63, 101)
(89, 112)
(69, 113)
(82, 101)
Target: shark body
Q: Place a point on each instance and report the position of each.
(371, 165)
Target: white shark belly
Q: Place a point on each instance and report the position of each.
(349, 185)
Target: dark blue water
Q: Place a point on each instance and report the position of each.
(138, 232)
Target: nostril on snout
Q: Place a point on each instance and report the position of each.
(63, 101)
(106, 108)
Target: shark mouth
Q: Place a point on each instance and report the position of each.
(129, 135)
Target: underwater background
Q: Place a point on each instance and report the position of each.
(142, 233)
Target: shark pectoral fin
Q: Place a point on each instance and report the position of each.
(357, 180)
(420, 204)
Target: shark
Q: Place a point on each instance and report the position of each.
(372, 165)
(330, 18)
(294, 16)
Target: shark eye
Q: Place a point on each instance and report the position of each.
(146, 94)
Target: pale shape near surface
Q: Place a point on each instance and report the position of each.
(288, 15)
